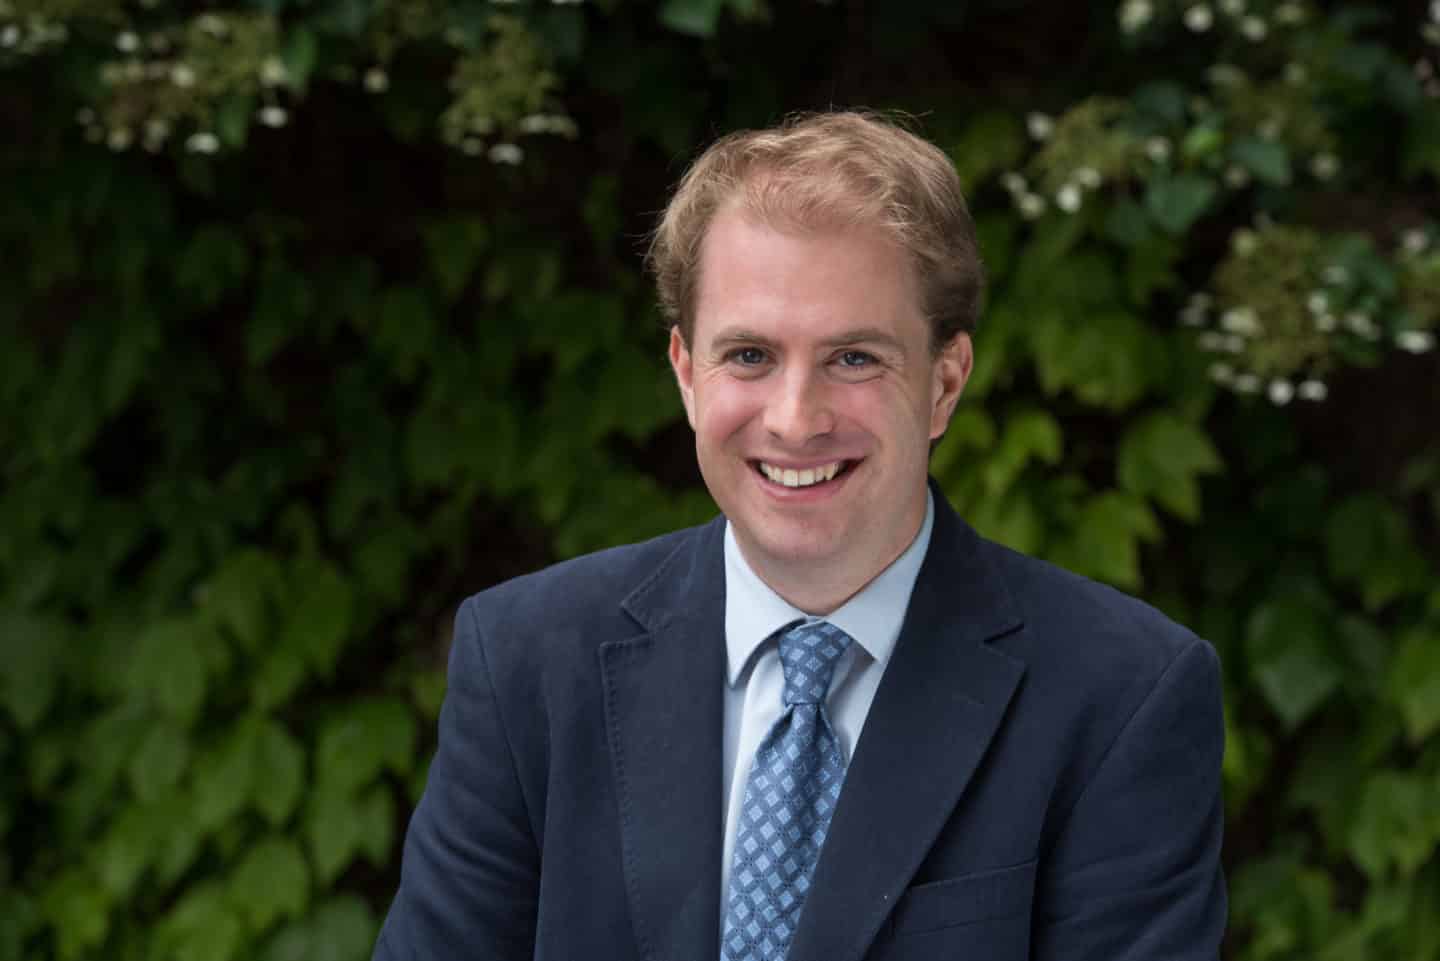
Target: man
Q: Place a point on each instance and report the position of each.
(834, 723)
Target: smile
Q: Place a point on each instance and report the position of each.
(809, 477)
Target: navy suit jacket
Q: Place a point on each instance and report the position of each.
(1038, 777)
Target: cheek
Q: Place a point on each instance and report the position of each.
(724, 409)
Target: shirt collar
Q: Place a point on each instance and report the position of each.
(872, 618)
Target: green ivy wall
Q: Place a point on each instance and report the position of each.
(318, 316)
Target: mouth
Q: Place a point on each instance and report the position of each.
(816, 476)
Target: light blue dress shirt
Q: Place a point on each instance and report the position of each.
(755, 680)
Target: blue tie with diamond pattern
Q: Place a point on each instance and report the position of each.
(794, 784)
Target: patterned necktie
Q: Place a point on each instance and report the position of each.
(794, 784)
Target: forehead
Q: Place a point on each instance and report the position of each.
(790, 280)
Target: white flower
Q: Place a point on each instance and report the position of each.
(1312, 389)
(202, 142)
(1225, 75)
(1337, 275)
(182, 75)
(1222, 373)
(119, 139)
(1211, 341)
(1360, 323)
(127, 42)
(1254, 28)
(1414, 241)
(1234, 344)
(1200, 300)
(1431, 33)
(1135, 14)
(1233, 7)
(1031, 206)
(377, 80)
(1289, 14)
(506, 153)
(1068, 198)
(1199, 18)
(1325, 166)
(1246, 384)
(1040, 125)
(1241, 320)
(1296, 74)
(1087, 177)
(1157, 149)
(212, 24)
(10, 35)
(273, 72)
(1237, 177)
(1013, 182)
(157, 129)
(1281, 392)
(1435, 10)
(1244, 241)
(1318, 302)
(273, 116)
(1415, 341)
(1325, 323)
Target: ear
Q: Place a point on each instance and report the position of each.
(684, 368)
(952, 370)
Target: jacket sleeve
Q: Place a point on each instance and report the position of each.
(1134, 874)
(470, 871)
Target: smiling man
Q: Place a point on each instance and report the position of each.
(834, 723)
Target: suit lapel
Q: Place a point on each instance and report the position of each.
(663, 714)
(940, 702)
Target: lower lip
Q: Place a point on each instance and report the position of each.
(804, 495)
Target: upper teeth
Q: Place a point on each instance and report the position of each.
(800, 478)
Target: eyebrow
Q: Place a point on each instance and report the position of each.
(859, 335)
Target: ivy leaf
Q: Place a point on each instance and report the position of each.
(1026, 435)
(299, 56)
(342, 929)
(320, 617)
(1105, 541)
(1415, 683)
(238, 595)
(1268, 160)
(1289, 645)
(157, 766)
(279, 772)
(1395, 824)
(366, 738)
(165, 670)
(278, 678)
(1175, 203)
(375, 818)
(1162, 457)
(697, 18)
(1368, 543)
(77, 911)
(270, 883)
(30, 664)
(224, 776)
(202, 926)
(334, 831)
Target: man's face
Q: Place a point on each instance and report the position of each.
(814, 395)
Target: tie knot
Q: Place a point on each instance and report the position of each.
(808, 653)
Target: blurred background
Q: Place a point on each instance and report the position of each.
(319, 315)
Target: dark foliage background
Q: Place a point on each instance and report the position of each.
(318, 316)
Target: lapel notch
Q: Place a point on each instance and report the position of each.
(663, 715)
(939, 705)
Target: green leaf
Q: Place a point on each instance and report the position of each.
(342, 929)
(78, 912)
(239, 594)
(299, 55)
(1415, 683)
(165, 670)
(279, 772)
(1105, 540)
(158, 765)
(270, 883)
(455, 246)
(992, 142)
(375, 818)
(698, 18)
(279, 677)
(368, 737)
(224, 776)
(1395, 825)
(334, 830)
(30, 658)
(202, 926)
(1368, 543)
(1268, 160)
(320, 617)
(1289, 644)
(1162, 457)
(1026, 435)
(1175, 203)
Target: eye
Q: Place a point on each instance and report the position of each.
(748, 356)
(856, 359)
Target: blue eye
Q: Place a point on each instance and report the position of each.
(856, 359)
(749, 356)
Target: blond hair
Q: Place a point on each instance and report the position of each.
(829, 170)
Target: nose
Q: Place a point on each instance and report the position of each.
(799, 407)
